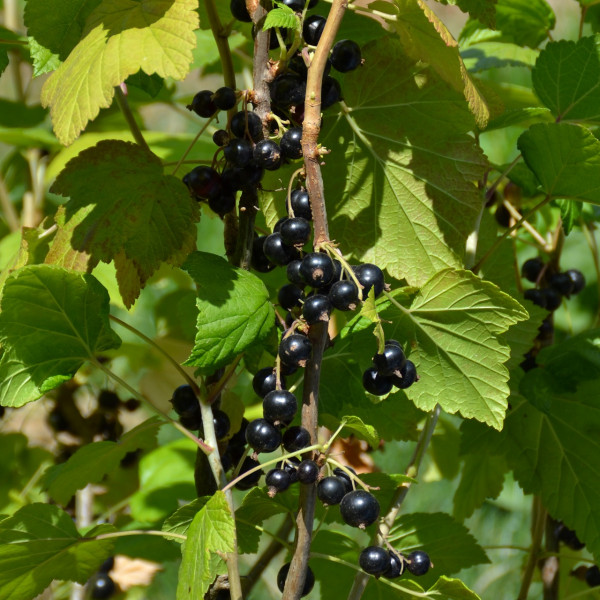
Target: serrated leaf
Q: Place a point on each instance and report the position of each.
(211, 534)
(495, 55)
(181, 519)
(282, 16)
(570, 213)
(51, 321)
(122, 208)
(120, 38)
(389, 178)
(40, 543)
(232, 316)
(452, 589)
(566, 78)
(520, 116)
(92, 462)
(482, 10)
(354, 425)
(565, 158)
(44, 60)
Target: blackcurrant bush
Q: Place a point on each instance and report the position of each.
(391, 361)
(343, 476)
(562, 283)
(259, 260)
(502, 216)
(308, 471)
(376, 384)
(288, 90)
(108, 400)
(277, 480)
(331, 92)
(297, 64)
(370, 276)
(278, 252)
(317, 269)
(102, 586)
(396, 566)
(295, 232)
(280, 222)
(239, 11)
(290, 466)
(238, 152)
(408, 375)
(280, 407)
(418, 562)
(262, 436)
(578, 280)
(592, 576)
(250, 175)
(309, 582)
(531, 269)
(225, 98)
(238, 125)
(296, 438)
(331, 490)
(239, 437)
(267, 154)
(222, 204)
(185, 402)
(293, 272)
(265, 381)
(343, 295)
(203, 182)
(345, 56)
(288, 369)
(359, 509)
(316, 308)
(192, 422)
(295, 349)
(220, 138)
(374, 560)
(313, 28)
(300, 202)
(251, 480)
(296, 5)
(552, 299)
(536, 296)
(568, 537)
(291, 143)
(203, 104)
(221, 423)
(290, 296)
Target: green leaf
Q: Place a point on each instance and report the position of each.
(566, 78)
(44, 60)
(282, 16)
(390, 178)
(51, 321)
(570, 213)
(120, 38)
(222, 10)
(482, 10)
(232, 316)
(565, 158)
(151, 84)
(495, 55)
(352, 425)
(39, 544)
(452, 589)
(211, 534)
(17, 114)
(181, 519)
(519, 116)
(120, 201)
(92, 462)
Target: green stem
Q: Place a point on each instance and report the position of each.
(221, 38)
(133, 126)
(193, 143)
(118, 534)
(494, 186)
(537, 532)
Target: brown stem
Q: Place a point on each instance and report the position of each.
(245, 232)
(221, 38)
(537, 531)
(550, 564)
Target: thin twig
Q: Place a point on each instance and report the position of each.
(10, 214)
(133, 126)
(537, 532)
(494, 186)
(221, 38)
(535, 234)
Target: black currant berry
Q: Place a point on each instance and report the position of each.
(192, 422)
(293, 272)
(313, 28)
(552, 299)
(331, 490)
(316, 308)
(536, 296)
(238, 152)
(418, 562)
(239, 11)
(370, 276)
(238, 125)
(408, 375)
(331, 92)
(277, 480)
(503, 216)
(221, 423)
(289, 320)
(529, 362)
(343, 476)
(108, 400)
(259, 260)
(396, 566)
(280, 222)
(568, 537)
(374, 560)
(102, 586)
(222, 204)
(345, 56)
(376, 384)
(317, 269)
(562, 283)
(295, 349)
(291, 143)
(267, 155)
(288, 90)
(203, 104)
(546, 330)
(390, 361)
(592, 576)
(290, 296)
(309, 582)
(251, 480)
(278, 252)
(265, 381)
(308, 471)
(359, 509)
(107, 566)
(531, 269)
(220, 138)
(225, 98)
(296, 438)
(295, 232)
(343, 295)
(578, 280)
(296, 5)
(300, 202)
(184, 401)
(262, 436)
(290, 466)
(203, 182)
(280, 407)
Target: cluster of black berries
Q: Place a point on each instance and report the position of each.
(390, 368)
(550, 287)
(101, 585)
(569, 538)
(592, 576)
(309, 582)
(378, 561)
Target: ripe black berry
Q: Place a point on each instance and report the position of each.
(531, 269)
(343, 476)
(418, 562)
(317, 269)
(331, 490)
(221, 423)
(265, 381)
(295, 232)
(536, 296)
(396, 566)
(568, 537)
(102, 586)
(238, 125)
(359, 509)
(374, 560)
(291, 143)
(293, 272)
(592, 576)
(262, 436)
(220, 138)
(345, 56)
(376, 384)
(288, 90)
(331, 92)
(259, 260)
(552, 299)
(290, 466)
(289, 296)
(300, 202)
(278, 252)
(239, 11)
(203, 182)
(277, 480)
(343, 295)
(203, 104)
(408, 376)
(562, 283)
(390, 361)
(296, 438)
(280, 407)
(251, 480)
(184, 401)
(502, 216)
(295, 349)
(313, 28)
(309, 582)
(370, 276)
(308, 471)
(192, 422)
(223, 203)
(108, 400)
(316, 308)
(267, 155)
(578, 280)
(107, 566)
(225, 98)
(238, 152)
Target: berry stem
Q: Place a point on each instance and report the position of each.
(133, 126)
(192, 144)
(538, 525)
(221, 36)
(118, 534)
(535, 234)
(219, 386)
(490, 192)
(289, 192)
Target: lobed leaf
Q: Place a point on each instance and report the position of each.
(181, 519)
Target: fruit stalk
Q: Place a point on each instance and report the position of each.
(133, 126)
(221, 37)
(537, 532)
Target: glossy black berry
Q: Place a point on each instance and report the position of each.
(277, 479)
(374, 560)
(238, 125)
(280, 222)
(300, 202)
(293, 272)
(531, 269)
(568, 537)
(203, 182)
(262, 436)
(223, 203)
(278, 252)
(376, 384)
(291, 143)
(546, 330)
(274, 40)
(345, 56)
(562, 283)
(343, 295)
(108, 400)
(220, 138)
(313, 28)
(290, 466)
(290, 296)
(296, 5)
(396, 566)
(296, 231)
(316, 308)
(107, 566)
(296, 438)
(331, 490)
(184, 401)
(317, 269)
(239, 11)
(225, 98)
(552, 299)
(343, 476)
(592, 576)
(267, 154)
(536, 296)
(265, 381)
(102, 586)
(309, 582)
(203, 104)
(578, 280)
(408, 376)
(221, 423)
(295, 349)
(259, 260)
(192, 422)
(331, 92)
(502, 216)
(288, 90)
(359, 509)
(308, 471)
(238, 152)
(280, 407)
(370, 276)
(418, 562)
(251, 480)
(391, 361)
